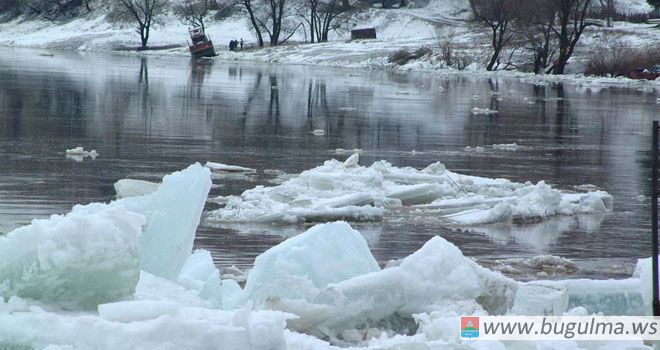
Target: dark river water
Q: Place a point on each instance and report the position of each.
(150, 116)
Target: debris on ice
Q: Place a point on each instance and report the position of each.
(550, 265)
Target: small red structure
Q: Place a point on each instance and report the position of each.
(644, 73)
(202, 46)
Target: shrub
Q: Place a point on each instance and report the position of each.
(404, 56)
(621, 60)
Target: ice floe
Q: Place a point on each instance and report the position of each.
(483, 111)
(79, 153)
(228, 168)
(506, 147)
(73, 261)
(322, 283)
(172, 212)
(348, 191)
(318, 132)
(549, 265)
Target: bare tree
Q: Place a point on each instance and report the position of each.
(321, 16)
(48, 9)
(535, 22)
(253, 20)
(272, 17)
(193, 12)
(497, 15)
(609, 10)
(144, 13)
(571, 23)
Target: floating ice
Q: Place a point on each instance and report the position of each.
(477, 149)
(299, 266)
(173, 213)
(548, 264)
(80, 151)
(73, 261)
(134, 188)
(347, 191)
(228, 168)
(318, 132)
(506, 147)
(483, 111)
(347, 151)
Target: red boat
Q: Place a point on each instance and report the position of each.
(202, 46)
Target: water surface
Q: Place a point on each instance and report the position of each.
(150, 116)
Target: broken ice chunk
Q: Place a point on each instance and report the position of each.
(79, 153)
(73, 261)
(173, 213)
(483, 111)
(300, 265)
(134, 188)
(534, 299)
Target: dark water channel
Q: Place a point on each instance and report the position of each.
(150, 116)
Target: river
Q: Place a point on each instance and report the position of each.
(147, 117)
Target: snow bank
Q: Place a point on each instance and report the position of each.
(73, 261)
(134, 188)
(347, 191)
(173, 213)
(299, 266)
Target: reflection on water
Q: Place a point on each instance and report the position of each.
(149, 116)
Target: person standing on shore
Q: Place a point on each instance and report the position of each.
(241, 44)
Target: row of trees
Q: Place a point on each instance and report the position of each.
(548, 29)
(50, 9)
(277, 20)
(272, 20)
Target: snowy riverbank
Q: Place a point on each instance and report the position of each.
(406, 29)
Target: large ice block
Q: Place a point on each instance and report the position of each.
(173, 213)
(73, 261)
(299, 266)
(435, 274)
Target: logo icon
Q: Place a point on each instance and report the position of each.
(469, 327)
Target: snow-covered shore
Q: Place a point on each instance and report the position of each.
(404, 29)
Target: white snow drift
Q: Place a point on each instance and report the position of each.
(347, 191)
